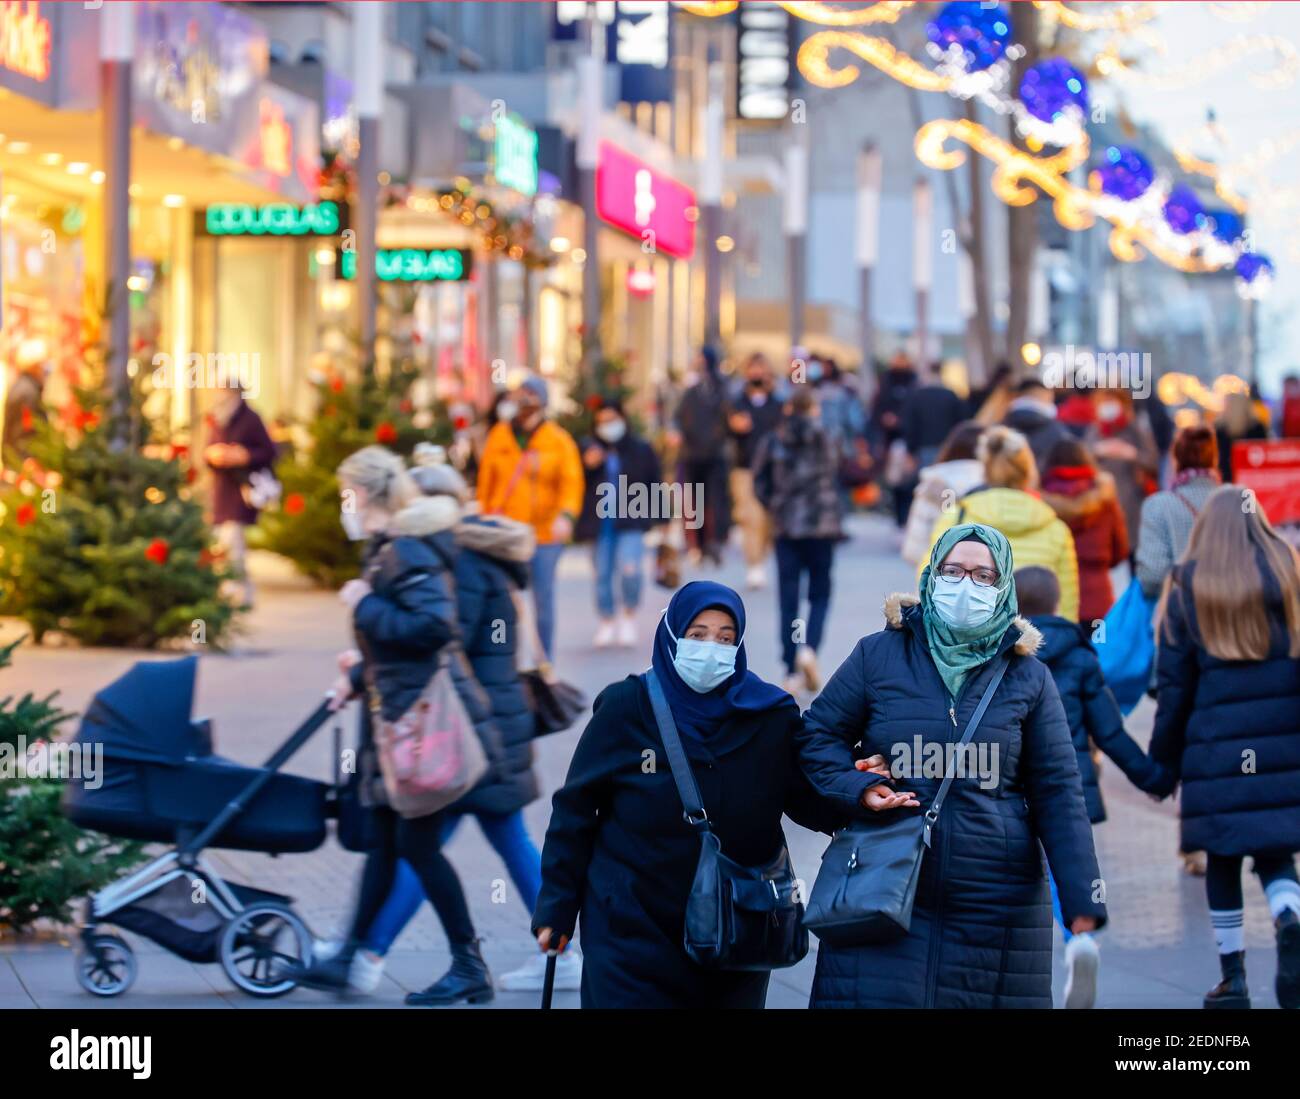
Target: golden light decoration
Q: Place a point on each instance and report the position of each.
(1197, 69)
(1176, 389)
(1231, 178)
(828, 15)
(1241, 12)
(814, 62)
(1122, 18)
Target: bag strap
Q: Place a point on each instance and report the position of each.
(515, 474)
(932, 814)
(693, 807)
(1186, 503)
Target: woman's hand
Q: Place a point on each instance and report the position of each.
(880, 797)
(353, 592)
(544, 941)
(349, 659)
(874, 764)
(340, 693)
(1081, 925)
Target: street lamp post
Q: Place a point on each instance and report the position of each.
(116, 48)
(796, 229)
(922, 266)
(368, 75)
(868, 250)
(713, 121)
(591, 95)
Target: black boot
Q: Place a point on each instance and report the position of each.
(1231, 992)
(467, 979)
(1287, 926)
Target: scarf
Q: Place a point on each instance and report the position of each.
(1183, 476)
(958, 652)
(698, 716)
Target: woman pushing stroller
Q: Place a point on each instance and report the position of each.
(404, 616)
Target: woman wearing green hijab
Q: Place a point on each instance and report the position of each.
(981, 930)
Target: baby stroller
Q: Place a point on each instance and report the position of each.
(160, 781)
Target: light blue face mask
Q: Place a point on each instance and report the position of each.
(702, 665)
(965, 604)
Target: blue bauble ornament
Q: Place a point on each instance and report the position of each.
(1227, 225)
(1183, 210)
(1125, 173)
(1251, 265)
(982, 33)
(1051, 86)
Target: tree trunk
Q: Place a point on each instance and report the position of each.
(974, 241)
(1022, 221)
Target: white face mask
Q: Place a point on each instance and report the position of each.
(965, 604)
(353, 525)
(613, 431)
(702, 665)
(1109, 410)
(507, 410)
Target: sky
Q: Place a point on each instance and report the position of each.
(1249, 115)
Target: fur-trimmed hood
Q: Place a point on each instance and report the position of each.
(895, 603)
(424, 516)
(1086, 504)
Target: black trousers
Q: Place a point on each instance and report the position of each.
(1223, 877)
(419, 842)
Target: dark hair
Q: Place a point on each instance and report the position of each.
(1028, 385)
(801, 403)
(611, 404)
(1070, 452)
(1037, 590)
(961, 442)
(1195, 447)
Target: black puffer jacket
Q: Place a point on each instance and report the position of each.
(488, 624)
(981, 934)
(1090, 709)
(637, 462)
(1214, 716)
(410, 617)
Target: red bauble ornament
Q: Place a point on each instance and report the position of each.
(25, 514)
(158, 551)
(294, 503)
(593, 402)
(385, 433)
(460, 423)
(336, 385)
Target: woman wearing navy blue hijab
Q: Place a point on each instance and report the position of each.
(618, 852)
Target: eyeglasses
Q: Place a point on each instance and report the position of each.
(955, 574)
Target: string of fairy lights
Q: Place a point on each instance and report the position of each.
(971, 50)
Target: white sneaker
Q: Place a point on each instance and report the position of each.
(366, 972)
(531, 976)
(805, 660)
(627, 631)
(1082, 961)
(756, 578)
(604, 634)
(322, 950)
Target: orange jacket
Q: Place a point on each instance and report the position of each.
(551, 482)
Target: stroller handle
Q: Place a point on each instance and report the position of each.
(278, 759)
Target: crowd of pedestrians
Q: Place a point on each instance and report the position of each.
(1021, 509)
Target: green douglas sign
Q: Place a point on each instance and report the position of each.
(514, 155)
(414, 264)
(276, 219)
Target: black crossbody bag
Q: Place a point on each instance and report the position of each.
(737, 917)
(866, 887)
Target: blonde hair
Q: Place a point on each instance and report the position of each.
(1008, 462)
(381, 475)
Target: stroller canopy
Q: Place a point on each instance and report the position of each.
(145, 715)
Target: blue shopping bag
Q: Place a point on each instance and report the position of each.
(1126, 646)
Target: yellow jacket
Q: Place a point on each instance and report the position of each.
(550, 483)
(1036, 535)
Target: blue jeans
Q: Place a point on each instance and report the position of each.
(796, 557)
(508, 837)
(544, 563)
(618, 553)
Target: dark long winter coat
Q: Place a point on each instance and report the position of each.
(489, 628)
(1211, 713)
(796, 478)
(244, 428)
(410, 616)
(1090, 708)
(640, 465)
(981, 934)
(619, 853)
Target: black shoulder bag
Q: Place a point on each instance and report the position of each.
(737, 917)
(866, 887)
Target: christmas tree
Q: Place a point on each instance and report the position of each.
(46, 862)
(350, 415)
(104, 543)
(590, 391)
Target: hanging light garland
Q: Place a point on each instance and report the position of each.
(1282, 73)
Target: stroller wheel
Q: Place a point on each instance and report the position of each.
(260, 945)
(106, 965)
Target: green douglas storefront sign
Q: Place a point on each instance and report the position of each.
(276, 219)
(514, 155)
(414, 264)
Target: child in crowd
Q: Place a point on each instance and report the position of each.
(1093, 714)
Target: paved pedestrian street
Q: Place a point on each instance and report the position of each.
(1157, 951)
